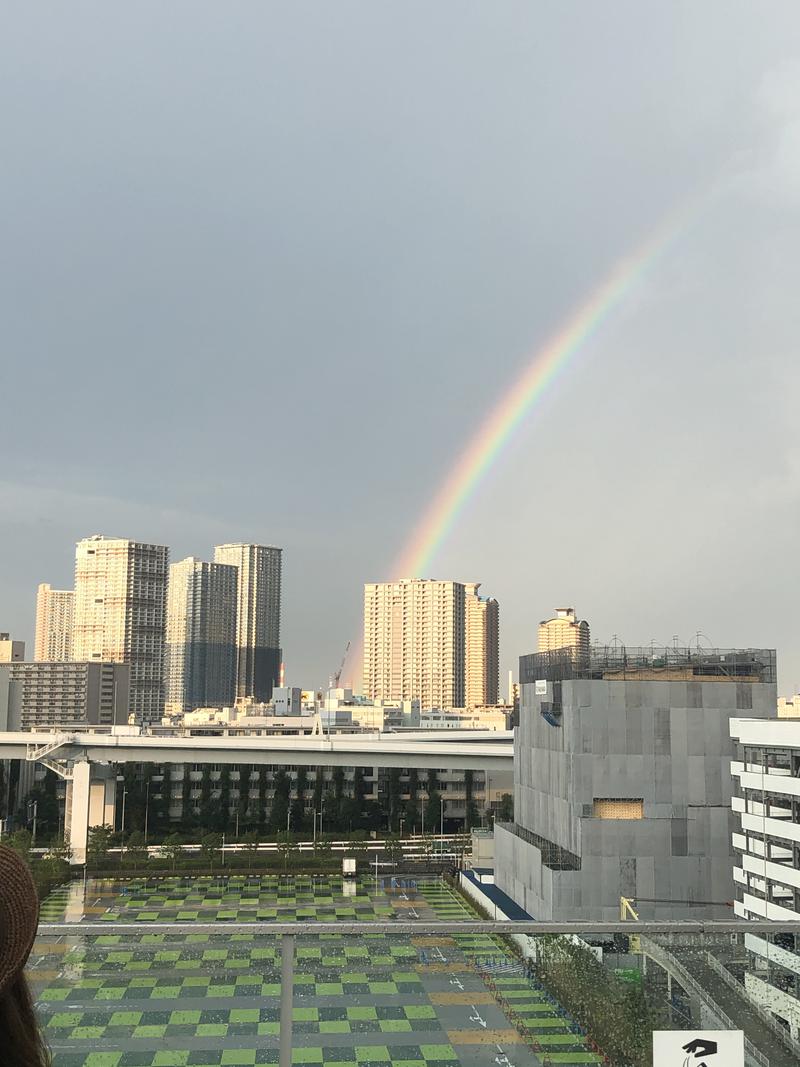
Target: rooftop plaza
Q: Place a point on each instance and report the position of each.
(189, 971)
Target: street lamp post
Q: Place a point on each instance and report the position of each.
(441, 823)
(35, 813)
(122, 826)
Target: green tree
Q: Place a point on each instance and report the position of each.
(98, 844)
(223, 803)
(412, 806)
(433, 805)
(332, 816)
(187, 805)
(505, 812)
(171, 849)
(262, 799)
(45, 799)
(243, 806)
(52, 869)
(135, 850)
(319, 787)
(359, 795)
(160, 798)
(210, 844)
(298, 806)
(207, 804)
(393, 794)
(393, 849)
(250, 842)
(280, 803)
(472, 816)
(20, 841)
(338, 783)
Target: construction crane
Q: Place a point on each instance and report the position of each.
(334, 680)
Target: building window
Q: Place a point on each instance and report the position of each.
(617, 808)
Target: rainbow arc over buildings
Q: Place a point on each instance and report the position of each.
(547, 364)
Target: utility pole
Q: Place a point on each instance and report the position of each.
(35, 813)
(122, 826)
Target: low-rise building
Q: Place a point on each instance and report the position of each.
(63, 696)
(11, 651)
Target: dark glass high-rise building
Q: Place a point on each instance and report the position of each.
(201, 635)
(258, 625)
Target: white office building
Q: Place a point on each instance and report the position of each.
(766, 806)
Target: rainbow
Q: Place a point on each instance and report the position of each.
(548, 362)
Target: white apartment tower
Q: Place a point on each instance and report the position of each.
(258, 617)
(414, 641)
(119, 614)
(201, 635)
(565, 631)
(481, 648)
(53, 624)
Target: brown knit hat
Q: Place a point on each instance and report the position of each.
(19, 915)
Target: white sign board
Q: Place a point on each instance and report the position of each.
(698, 1048)
(349, 865)
(540, 688)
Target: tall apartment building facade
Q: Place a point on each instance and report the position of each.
(119, 614)
(622, 784)
(481, 648)
(63, 696)
(201, 635)
(766, 806)
(414, 641)
(565, 631)
(53, 624)
(258, 617)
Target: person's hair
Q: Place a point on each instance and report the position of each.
(20, 1037)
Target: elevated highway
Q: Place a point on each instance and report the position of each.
(85, 759)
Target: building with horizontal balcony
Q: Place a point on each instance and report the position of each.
(63, 696)
(622, 782)
(766, 806)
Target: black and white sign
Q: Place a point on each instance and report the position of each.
(540, 687)
(698, 1048)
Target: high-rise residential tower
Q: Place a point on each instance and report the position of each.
(414, 641)
(119, 614)
(481, 647)
(258, 617)
(53, 624)
(565, 631)
(201, 635)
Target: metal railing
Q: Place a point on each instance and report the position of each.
(288, 932)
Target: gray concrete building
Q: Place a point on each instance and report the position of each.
(69, 696)
(622, 784)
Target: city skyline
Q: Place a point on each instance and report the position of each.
(365, 276)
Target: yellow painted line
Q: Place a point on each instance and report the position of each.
(479, 997)
(443, 968)
(484, 1037)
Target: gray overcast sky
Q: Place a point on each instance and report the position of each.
(265, 266)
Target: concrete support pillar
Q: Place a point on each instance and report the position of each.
(90, 801)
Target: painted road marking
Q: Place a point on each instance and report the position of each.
(477, 1017)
